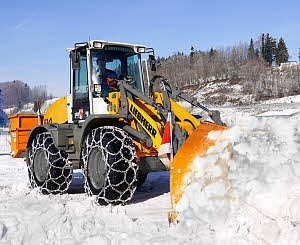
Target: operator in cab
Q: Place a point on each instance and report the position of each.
(106, 77)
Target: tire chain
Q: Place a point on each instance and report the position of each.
(59, 174)
(122, 191)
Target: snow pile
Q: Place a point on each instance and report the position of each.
(257, 201)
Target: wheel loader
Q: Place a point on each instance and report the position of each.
(115, 133)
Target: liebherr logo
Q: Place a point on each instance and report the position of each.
(143, 121)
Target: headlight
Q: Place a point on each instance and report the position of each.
(98, 45)
(141, 50)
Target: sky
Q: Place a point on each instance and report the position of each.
(35, 34)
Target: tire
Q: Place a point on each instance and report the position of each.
(109, 166)
(48, 168)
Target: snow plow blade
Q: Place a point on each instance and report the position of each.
(196, 145)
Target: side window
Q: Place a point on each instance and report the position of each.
(80, 90)
(80, 76)
(134, 70)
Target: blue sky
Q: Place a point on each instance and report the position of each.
(35, 33)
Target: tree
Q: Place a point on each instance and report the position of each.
(38, 92)
(13, 92)
(192, 53)
(25, 94)
(3, 116)
(256, 53)
(282, 54)
(262, 52)
(270, 49)
(251, 52)
(212, 52)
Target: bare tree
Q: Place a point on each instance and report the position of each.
(231, 63)
(38, 92)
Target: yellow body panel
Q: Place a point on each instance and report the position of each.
(114, 102)
(146, 121)
(158, 98)
(142, 150)
(57, 112)
(183, 115)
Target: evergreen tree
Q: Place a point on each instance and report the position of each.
(282, 54)
(256, 53)
(251, 52)
(212, 52)
(192, 50)
(262, 52)
(299, 55)
(270, 49)
(192, 53)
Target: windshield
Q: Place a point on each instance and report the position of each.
(116, 63)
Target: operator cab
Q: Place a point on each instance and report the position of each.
(117, 63)
(96, 68)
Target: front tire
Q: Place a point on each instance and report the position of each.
(109, 165)
(48, 167)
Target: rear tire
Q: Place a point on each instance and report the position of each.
(48, 167)
(109, 165)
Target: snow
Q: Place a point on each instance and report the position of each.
(257, 200)
(288, 99)
(29, 108)
(251, 197)
(282, 113)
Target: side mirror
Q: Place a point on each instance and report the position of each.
(152, 62)
(75, 58)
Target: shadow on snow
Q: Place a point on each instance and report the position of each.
(156, 184)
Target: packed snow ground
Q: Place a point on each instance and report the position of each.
(251, 198)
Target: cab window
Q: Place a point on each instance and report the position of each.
(81, 106)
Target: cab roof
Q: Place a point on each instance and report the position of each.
(100, 44)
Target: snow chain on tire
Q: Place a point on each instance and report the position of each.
(110, 149)
(48, 167)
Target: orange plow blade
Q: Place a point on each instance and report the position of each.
(196, 145)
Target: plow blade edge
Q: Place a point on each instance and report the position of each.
(196, 145)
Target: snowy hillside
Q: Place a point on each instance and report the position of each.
(29, 108)
(256, 202)
(230, 93)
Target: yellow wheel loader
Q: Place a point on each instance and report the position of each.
(113, 130)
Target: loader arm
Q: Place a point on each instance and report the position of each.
(141, 114)
(176, 94)
(146, 121)
(151, 114)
